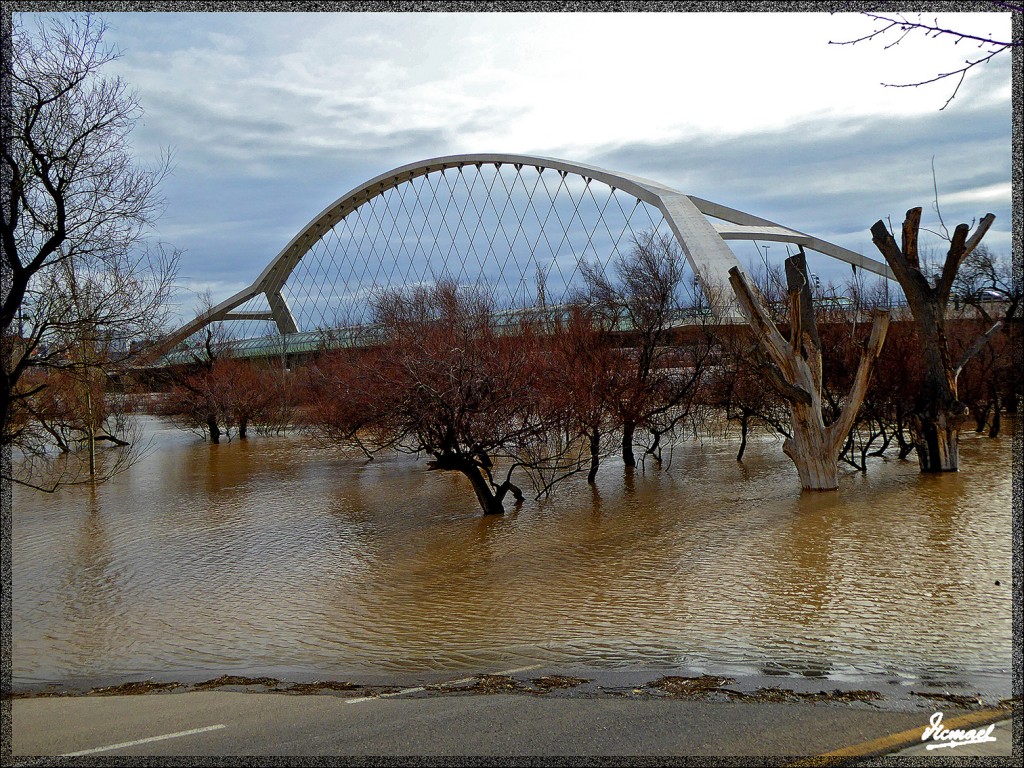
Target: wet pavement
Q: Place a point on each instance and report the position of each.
(236, 723)
(533, 711)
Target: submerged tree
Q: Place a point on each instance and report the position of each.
(937, 411)
(985, 292)
(225, 397)
(91, 320)
(738, 389)
(794, 369)
(988, 382)
(584, 368)
(456, 380)
(655, 386)
(217, 396)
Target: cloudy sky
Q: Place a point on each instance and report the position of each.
(273, 116)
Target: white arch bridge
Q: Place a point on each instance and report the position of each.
(517, 225)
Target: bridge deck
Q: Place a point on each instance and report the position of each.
(364, 336)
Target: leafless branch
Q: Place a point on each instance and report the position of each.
(901, 26)
(81, 284)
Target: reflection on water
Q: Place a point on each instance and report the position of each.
(274, 554)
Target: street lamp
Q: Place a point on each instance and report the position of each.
(764, 258)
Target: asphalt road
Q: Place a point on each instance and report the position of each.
(246, 723)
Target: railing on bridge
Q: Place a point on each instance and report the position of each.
(317, 341)
(364, 336)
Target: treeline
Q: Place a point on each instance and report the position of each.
(510, 399)
(519, 401)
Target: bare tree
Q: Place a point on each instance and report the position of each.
(226, 396)
(892, 28)
(985, 283)
(937, 411)
(796, 374)
(585, 366)
(86, 323)
(656, 383)
(79, 287)
(452, 380)
(984, 292)
(202, 392)
(737, 387)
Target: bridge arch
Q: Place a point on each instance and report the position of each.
(701, 228)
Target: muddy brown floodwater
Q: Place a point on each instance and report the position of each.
(273, 556)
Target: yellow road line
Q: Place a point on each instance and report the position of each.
(908, 738)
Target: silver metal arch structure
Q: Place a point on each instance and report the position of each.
(700, 226)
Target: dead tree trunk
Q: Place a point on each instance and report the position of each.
(595, 456)
(997, 420)
(937, 412)
(744, 428)
(794, 371)
(490, 496)
(628, 431)
(214, 428)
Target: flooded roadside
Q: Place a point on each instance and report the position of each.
(893, 696)
(274, 558)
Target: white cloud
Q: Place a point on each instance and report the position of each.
(992, 193)
(526, 81)
(274, 116)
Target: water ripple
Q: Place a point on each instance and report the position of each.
(275, 554)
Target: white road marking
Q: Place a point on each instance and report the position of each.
(519, 669)
(399, 693)
(124, 744)
(361, 699)
(404, 691)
